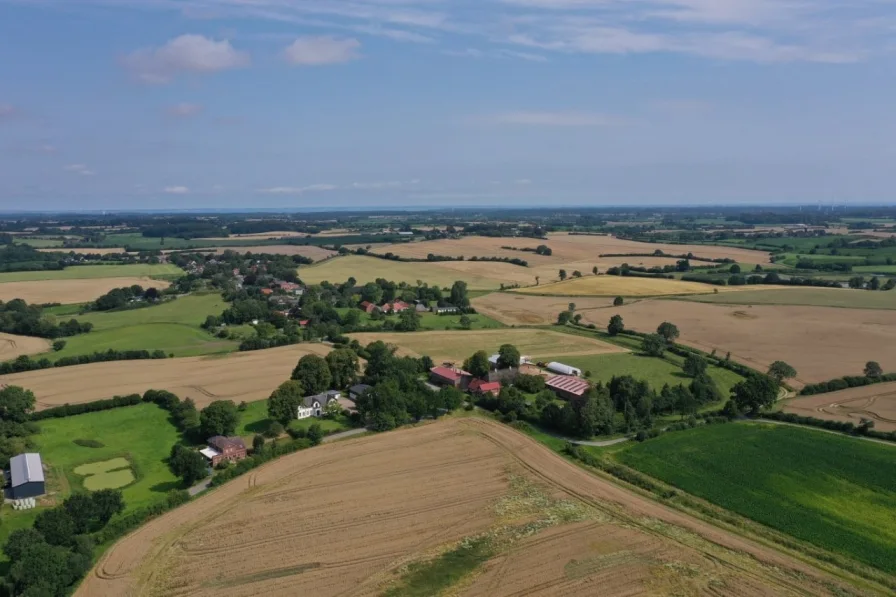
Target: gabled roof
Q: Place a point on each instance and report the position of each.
(448, 373)
(219, 442)
(359, 388)
(480, 385)
(25, 468)
(566, 383)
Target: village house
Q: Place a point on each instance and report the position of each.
(314, 406)
(368, 307)
(481, 387)
(222, 449)
(568, 387)
(450, 376)
(396, 307)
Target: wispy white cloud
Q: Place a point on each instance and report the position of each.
(183, 55)
(568, 119)
(183, 110)
(177, 190)
(320, 50)
(81, 169)
(313, 188)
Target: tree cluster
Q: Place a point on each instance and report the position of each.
(18, 317)
(119, 298)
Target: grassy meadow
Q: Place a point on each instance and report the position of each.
(89, 272)
(172, 326)
(838, 493)
(432, 321)
(254, 420)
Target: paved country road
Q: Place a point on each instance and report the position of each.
(203, 485)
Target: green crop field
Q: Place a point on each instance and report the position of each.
(838, 493)
(39, 242)
(89, 272)
(172, 326)
(654, 371)
(140, 434)
(875, 269)
(818, 297)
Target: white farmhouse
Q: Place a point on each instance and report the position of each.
(314, 406)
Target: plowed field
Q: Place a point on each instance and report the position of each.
(353, 518)
(243, 376)
(876, 402)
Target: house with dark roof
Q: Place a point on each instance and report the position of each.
(26, 476)
(221, 449)
(480, 387)
(450, 376)
(314, 406)
(567, 386)
(358, 390)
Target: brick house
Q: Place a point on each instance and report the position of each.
(222, 449)
(368, 307)
(450, 376)
(481, 387)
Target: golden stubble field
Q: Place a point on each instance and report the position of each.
(71, 291)
(455, 346)
(820, 342)
(876, 402)
(12, 346)
(242, 376)
(624, 286)
(349, 518)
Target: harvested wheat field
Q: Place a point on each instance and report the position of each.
(12, 346)
(315, 253)
(624, 286)
(71, 291)
(513, 308)
(242, 376)
(458, 345)
(820, 342)
(356, 518)
(876, 402)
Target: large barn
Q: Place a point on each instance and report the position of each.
(26, 476)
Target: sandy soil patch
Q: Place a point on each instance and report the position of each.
(373, 516)
(71, 291)
(12, 346)
(624, 286)
(315, 253)
(85, 251)
(820, 342)
(877, 402)
(457, 345)
(242, 376)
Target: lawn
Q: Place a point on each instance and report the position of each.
(141, 434)
(172, 326)
(89, 272)
(819, 297)
(838, 493)
(654, 371)
(255, 420)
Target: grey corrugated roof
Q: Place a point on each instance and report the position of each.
(25, 468)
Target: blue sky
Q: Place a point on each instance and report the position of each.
(157, 104)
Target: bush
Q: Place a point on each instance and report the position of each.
(275, 429)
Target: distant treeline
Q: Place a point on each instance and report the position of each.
(865, 428)
(770, 278)
(659, 253)
(434, 258)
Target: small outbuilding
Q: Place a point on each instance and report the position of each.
(358, 390)
(26, 476)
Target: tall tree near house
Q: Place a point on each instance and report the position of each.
(16, 403)
(459, 297)
(508, 356)
(477, 365)
(219, 418)
(284, 402)
(343, 365)
(187, 464)
(873, 369)
(313, 373)
(779, 371)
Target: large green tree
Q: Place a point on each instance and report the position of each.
(754, 393)
(56, 525)
(694, 365)
(343, 365)
(654, 345)
(188, 464)
(219, 418)
(669, 331)
(284, 402)
(477, 365)
(616, 325)
(508, 356)
(313, 373)
(16, 403)
(873, 369)
(779, 371)
(459, 297)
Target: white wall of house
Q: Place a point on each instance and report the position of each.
(304, 413)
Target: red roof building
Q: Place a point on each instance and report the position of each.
(568, 387)
(396, 307)
(368, 307)
(479, 386)
(267, 291)
(304, 322)
(448, 376)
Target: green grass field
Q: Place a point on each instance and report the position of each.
(172, 326)
(835, 492)
(39, 242)
(875, 269)
(255, 420)
(88, 272)
(141, 434)
(818, 297)
(654, 371)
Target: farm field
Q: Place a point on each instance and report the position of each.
(623, 286)
(876, 402)
(819, 297)
(432, 321)
(654, 371)
(477, 274)
(309, 251)
(458, 345)
(530, 521)
(83, 251)
(512, 308)
(72, 290)
(820, 342)
(172, 326)
(259, 235)
(835, 492)
(241, 376)
(12, 346)
(134, 440)
(93, 272)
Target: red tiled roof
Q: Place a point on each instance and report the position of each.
(567, 383)
(267, 291)
(479, 385)
(448, 373)
(304, 322)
